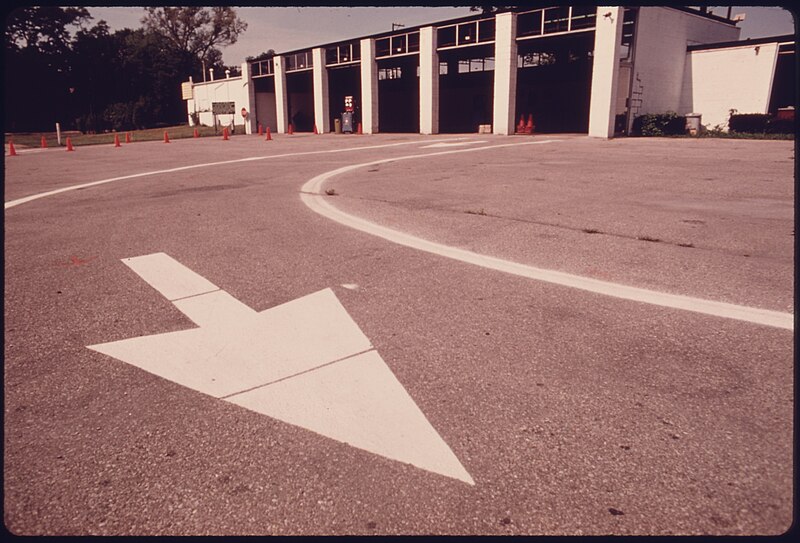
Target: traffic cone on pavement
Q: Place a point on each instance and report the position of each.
(166, 137)
(196, 133)
(291, 129)
(44, 143)
(315, 128)
(116, 140)
(260, 130)
(69, 145)
(521, 124)
(127, 137)
(269, 135)
(529, 126)
(225, 134)
(358, 131)
(11, 150)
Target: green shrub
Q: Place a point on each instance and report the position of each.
(659, 124)
(119, 116)
(748, 122)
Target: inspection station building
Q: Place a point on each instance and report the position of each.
(578, 69)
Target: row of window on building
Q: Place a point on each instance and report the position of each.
(538, 22)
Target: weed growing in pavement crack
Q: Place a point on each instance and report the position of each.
(473, 212)
(591, 231)
(647, 238)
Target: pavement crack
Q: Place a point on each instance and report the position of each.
(296, 374)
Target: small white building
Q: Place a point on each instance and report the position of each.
(562, 69)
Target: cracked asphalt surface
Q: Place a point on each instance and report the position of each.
(575, 413)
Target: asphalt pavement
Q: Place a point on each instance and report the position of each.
(573, 412)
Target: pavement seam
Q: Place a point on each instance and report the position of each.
(326, 364)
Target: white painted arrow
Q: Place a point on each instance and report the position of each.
(305, 362)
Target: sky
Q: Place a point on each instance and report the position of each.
(287, 28)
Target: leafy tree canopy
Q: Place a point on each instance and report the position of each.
(43, 28)
(193, 29)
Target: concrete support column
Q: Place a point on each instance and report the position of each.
(505, 73)
(605, 71)
(428, 82)
(250, 124)
(281, 96)
(322, 118)
(369, 87)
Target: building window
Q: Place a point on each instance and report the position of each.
(530, 60)
(397, 45)
(390, 73)
(446, 36)
(299, 61)
(486, 30)
(345, 52)
(413, 42)
(468, 33)
(263, 67)
(556, 19)
(583, 17)
(529, 24)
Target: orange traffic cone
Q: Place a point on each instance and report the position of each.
(11, 150)
(358, 131)
(260, 130)
(69, 145)
(44, 143)
(166, 137)
(127, 137)
(291, 129)
(269, 135)
(116, 140)
(196, 133)
(225, 133)
(529, 126)
(315, 128)
(521, 125)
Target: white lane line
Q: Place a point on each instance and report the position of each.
(312, 196)
(455, 144)
(18, 201)
(305, 362)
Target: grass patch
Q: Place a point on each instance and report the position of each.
(34, 139)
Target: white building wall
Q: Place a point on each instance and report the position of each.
(505, 74)
(428, 82)
(234, 89)
(605, 71)
(662, 35)
(718, 80)
(369, 87)
(322, 118)
(281, 98)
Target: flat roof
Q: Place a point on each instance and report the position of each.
(786, 38)
(478, 16)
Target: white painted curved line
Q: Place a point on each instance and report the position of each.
(32, 197)
(313, 198)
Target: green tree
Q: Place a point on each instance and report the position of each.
(194, 30)
(37, 64)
